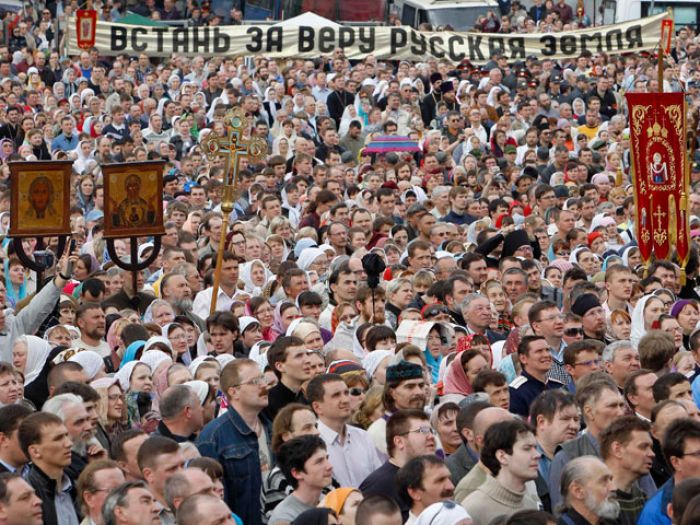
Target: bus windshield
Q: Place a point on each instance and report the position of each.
(460, 18)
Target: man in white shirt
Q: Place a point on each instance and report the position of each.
(227, 289)
(350, 450)
(90, 318)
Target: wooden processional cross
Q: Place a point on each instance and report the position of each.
(232, 147)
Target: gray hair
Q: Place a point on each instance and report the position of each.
(610, 350)
(576, 470)
(393, 286)
(174, 400)
(469, 299)
(57, 404)
(117, 498)
(176, 486)
(441, 190)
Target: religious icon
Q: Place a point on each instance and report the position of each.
(658, 170)
(133, 199)
(40, 198)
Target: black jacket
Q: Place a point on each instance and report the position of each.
(45, 488)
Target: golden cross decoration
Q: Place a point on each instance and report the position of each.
(659, 215)
(233, 146)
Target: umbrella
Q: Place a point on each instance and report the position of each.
(389, 143)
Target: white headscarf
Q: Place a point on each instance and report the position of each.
(37, 352)
(372, 361)
(124, 374)
(201, 388)
(153, 358)
(247, 276)
(443, 513)
(308, 256)
(196, 363)
(638, 328)
(91, 362)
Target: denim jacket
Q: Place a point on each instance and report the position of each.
(230, 441)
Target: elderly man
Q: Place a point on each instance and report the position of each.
(588, 492)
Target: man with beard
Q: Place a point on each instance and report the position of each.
(588, 491)
(626, 448)
(175, 290)
(408, 435)
(592, 314)
(90, 318)
(71, 409)
(370, 303)
(46, 442)
(510, 453)
(405, 388)
(536, 361)
(680, 446)
(422, 481)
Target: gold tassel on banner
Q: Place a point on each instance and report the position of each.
(618, 176)
(683, 279)
(672, 228)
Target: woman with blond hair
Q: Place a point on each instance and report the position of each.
(111, 408)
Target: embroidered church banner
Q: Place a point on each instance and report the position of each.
(660, 170)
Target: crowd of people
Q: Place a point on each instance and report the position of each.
(464, 334)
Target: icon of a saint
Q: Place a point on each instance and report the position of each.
(134, 211)
(659, 171)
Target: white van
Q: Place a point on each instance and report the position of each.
(460, 14)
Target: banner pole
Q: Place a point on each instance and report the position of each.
(661, 64)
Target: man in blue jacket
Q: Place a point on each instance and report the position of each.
(240, 439)
(681, 446)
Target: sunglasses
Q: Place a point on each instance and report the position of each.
(573, 332)
(357, 391)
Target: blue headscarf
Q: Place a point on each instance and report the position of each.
(13, 297)
(130, 352)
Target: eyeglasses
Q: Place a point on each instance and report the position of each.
(257, 381)
(114, 397)
(573, 332)
(590, 362)
(420, 430)
(357, 391)
(552, 318)
(694, 454)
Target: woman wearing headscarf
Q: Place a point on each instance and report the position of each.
(29, 355)
(254, 275)
(647, 310)
(687, 312)
(285, 313)
(15, 281)
(7, 148)
(344, 502)
(111, 409)
(92, 363)
(444, 513)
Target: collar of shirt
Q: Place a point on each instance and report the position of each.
(329, 435)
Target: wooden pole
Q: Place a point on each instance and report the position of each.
(226, 209)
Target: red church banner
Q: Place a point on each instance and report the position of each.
(660, 173)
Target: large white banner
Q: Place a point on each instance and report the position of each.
(385, 43)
